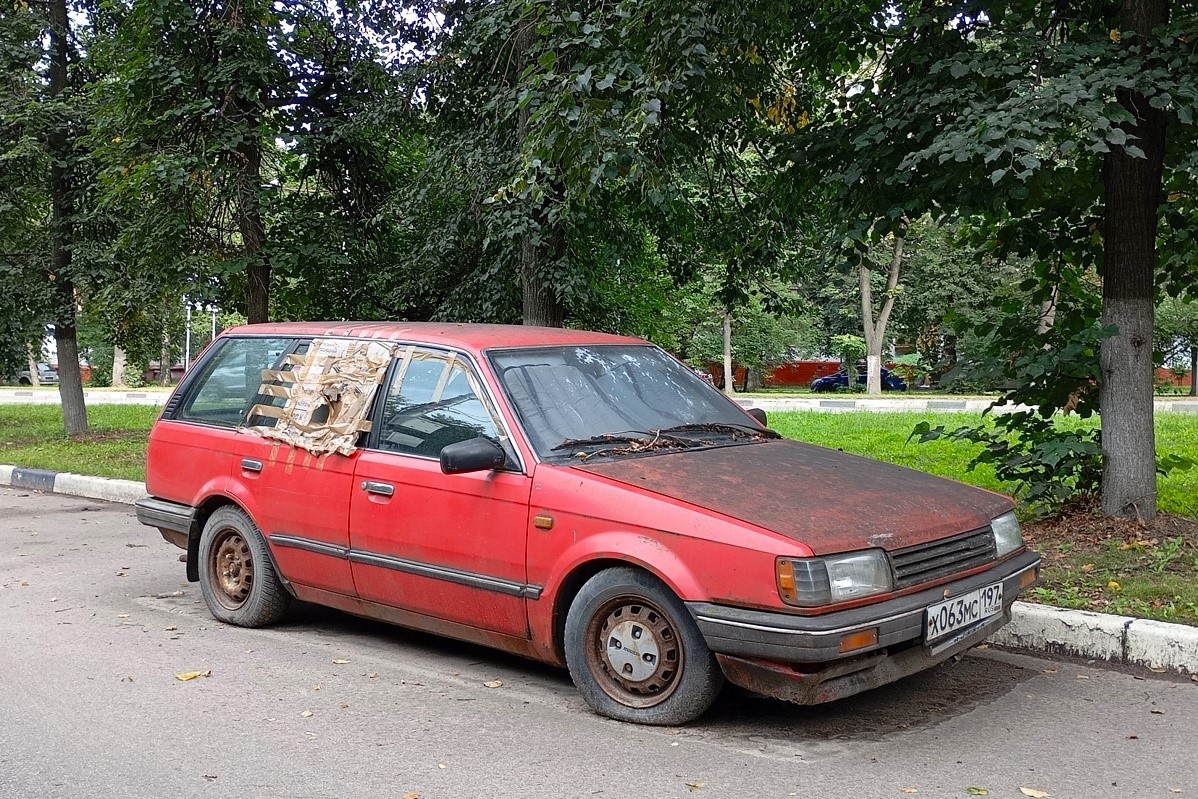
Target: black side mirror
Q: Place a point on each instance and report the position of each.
(473, 455)
(757, 414)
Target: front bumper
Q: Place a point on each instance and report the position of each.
(799, 657)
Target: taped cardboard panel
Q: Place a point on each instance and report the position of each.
(326, 393)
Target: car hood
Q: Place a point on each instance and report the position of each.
(826, 499)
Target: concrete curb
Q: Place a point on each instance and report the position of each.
(78, 485)
(1042, 628)
(1157, 645)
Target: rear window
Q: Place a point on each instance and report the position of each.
(228, 386)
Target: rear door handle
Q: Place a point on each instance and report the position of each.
(251, 465)
(382, 489)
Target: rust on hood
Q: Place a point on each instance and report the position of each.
(829, 500)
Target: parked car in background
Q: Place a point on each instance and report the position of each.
(45, 375)
(890, 381)
(579, 498)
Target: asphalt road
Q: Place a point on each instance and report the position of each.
(96, 619)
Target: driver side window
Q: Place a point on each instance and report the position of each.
(433, 400)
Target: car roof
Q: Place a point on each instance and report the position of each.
(462, 335)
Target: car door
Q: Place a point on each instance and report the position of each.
(447, 546)
(300, 500)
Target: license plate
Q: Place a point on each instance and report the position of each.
(962, 611)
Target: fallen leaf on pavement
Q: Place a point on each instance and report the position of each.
(975, 791)
(122, 615)
(170, 629)
(910, 790)
(307, 714)
(1155, 669)
(25, 583)
(1194, 678)
(1082, 677)
(494, 683)
(374, 675)
(441, 765)
(1156, 711)
(1032, 792)
(411, 795)
(53, 599)
(1050, 671)
(340, 662)
(1175, 790)
(694, 786)
(191, 675)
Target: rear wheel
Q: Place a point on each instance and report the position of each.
(237, 578)
(635, 653)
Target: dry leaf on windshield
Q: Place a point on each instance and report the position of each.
(1032, 792)
(191, 675)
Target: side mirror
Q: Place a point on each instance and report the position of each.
(757, 414)
(473, 455)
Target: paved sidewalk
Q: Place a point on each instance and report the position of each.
(846, 403)
(1039, 628)
(97, 396)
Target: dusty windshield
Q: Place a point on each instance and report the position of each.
(579, 402)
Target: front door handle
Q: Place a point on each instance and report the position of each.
(251, 465)
(382, 489)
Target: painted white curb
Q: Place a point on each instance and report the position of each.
(1101, 636)
(126, 491)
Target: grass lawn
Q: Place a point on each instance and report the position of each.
(1089, 562)
(32, 435)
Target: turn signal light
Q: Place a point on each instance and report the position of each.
(1027, 579)
(851, 642)
(786, 580)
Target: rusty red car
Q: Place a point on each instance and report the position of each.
(579, 498)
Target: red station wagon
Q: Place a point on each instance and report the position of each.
(578, 498)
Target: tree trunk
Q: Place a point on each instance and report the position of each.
(875, 331)
(253, 233)
(729, 377)
(164, 359)
(34, 377)
(1048, 312)
(70, 381)
(1132, 189)
(1194, 371)
(118, 367)
(543, 242)
(540, 303)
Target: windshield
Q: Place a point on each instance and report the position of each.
(575, 400)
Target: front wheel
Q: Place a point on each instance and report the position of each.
(237, 579)
(635, 653)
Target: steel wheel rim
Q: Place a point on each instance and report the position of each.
(231, 569)
(633, 652)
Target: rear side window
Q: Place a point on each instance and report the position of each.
(229, 384)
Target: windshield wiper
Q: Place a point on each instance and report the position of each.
(636, 439)
(724, 427)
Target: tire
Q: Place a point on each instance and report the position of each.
(675, 678)
(25, 381)
(237, 578)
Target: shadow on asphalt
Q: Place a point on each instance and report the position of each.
(917, 702)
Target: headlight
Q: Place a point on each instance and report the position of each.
(1007, 535)
(810, 582)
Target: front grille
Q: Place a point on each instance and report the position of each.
(924, 563)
